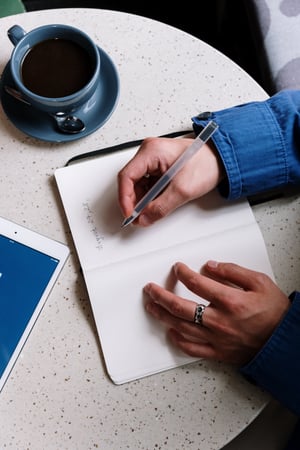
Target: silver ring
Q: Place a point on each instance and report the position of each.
(200, 308)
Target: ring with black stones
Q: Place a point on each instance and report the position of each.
(200, 308)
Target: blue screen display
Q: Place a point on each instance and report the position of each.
(24, 275)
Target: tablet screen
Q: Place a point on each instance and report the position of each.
(26, 276)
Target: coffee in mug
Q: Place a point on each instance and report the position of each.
(56, 68)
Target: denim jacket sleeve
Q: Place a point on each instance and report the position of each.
(259, 144)
(276, 368)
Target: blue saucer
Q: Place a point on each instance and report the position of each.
(94, 113)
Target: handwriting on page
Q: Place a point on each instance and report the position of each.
(91, 220)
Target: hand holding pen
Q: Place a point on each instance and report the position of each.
(181, 173)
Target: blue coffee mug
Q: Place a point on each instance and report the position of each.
(24, 42)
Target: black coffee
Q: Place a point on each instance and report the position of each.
(56, 68)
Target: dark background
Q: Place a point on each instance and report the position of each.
(224, 24)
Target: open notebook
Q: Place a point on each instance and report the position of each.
(117, 262)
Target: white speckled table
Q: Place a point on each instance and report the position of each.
(58, 395)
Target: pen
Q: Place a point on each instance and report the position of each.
(156, 189)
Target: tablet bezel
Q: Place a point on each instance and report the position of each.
(43, 244)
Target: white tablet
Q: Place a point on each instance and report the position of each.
(29, 265)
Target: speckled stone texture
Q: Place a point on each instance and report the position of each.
(59, 395)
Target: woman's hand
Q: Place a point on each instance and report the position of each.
(200, 175)
(244, 309)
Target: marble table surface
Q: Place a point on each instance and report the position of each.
(58, 395)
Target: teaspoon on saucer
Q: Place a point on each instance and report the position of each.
(65, 123)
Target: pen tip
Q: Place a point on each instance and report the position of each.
(126, 221)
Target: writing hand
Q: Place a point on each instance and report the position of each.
(245, 307)
(200, 175)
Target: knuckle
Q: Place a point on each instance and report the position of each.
(177, 309)
(193, 281)
(228, 267)
(261, 279)
(158, 212)
(149, 141)
(228, 299)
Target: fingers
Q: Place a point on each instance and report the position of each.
(194, 349)
(192, 339)
(220, 295)
(177, 314)
(154, 157)
(161, 207)
(227, 282)
(215, 292)
(237, 275)
(177, 306)
(185, 327)
(127, 179)
(244, 308)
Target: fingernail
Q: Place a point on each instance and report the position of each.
(212, 264)
(147, 288)
(149, 291)
(175, 268)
